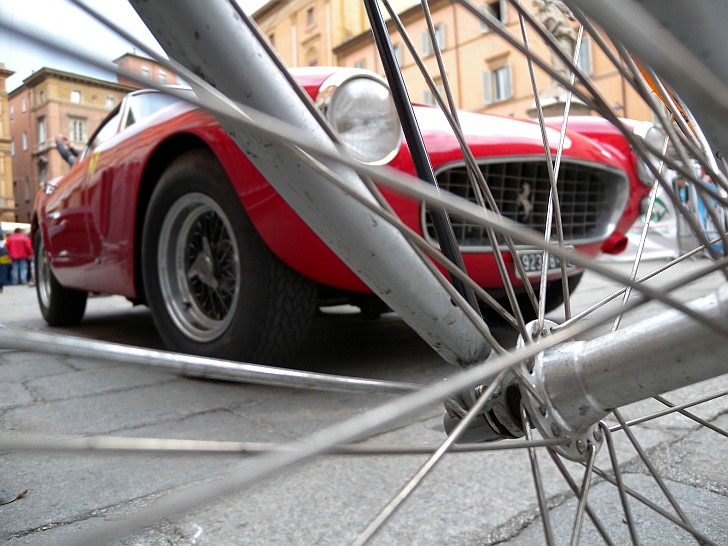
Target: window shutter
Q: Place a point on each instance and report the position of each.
(425, 44)
(586, 59)
(398, 53)
(487, 77)
(509, 82)
(483, 25)
(504, 11)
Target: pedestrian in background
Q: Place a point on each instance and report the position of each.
(20, 251)
(66, 149)
(4, 262)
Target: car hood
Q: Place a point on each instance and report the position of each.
(504, 136)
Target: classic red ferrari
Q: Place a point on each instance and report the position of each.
(163, 208)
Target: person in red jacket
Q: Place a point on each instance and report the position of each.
(20, 251)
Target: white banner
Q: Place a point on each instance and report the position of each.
(669, 235)
(662, 237)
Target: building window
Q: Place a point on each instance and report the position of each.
(497, 84)
(586, 56)
(77, 130)
(310, 17)
(26, 189)
(76, 96)
(361, 63)
(109, 102)
(42, 176)
(498, 9)
(146, 73)
(312, 57)
(24, 141)
(41, 131)
(12, 112)
(398, 53)
(22, 104)
(12, 147)
(41, 96)
(426, 43)
(162, 77)
(429, 98)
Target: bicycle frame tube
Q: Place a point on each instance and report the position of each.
(584, 380)
(213, 39)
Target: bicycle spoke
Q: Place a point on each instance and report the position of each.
(693, 417)
(582, 496)
(643, 239)
(576, 491)
(480, 186)
(650, 467)
(686, 280)
(553, 207)
(654, 507)
(618, 481)
(428, 467)
(538, 482)
(129, 445)
(672, 409)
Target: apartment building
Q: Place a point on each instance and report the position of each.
(48, 103)
(145, 69)
(485, 74)
(306, 32)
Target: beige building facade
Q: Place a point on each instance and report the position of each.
(306, 32)
(48, 103)
(7, 201)
(485, 74)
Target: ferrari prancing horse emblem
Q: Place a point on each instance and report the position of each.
(525, 206)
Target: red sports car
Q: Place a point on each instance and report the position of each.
(163, 208)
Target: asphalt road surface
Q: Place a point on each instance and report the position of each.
(472, 498)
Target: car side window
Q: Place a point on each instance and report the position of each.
(145, 104)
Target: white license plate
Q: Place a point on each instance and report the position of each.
(532, 261)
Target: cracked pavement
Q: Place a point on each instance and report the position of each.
(471, 499)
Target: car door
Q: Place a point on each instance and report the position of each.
(110, 190)
(67, 242)
(68, 207)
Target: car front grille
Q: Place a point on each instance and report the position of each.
(591, 196)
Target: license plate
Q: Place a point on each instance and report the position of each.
(532, 261)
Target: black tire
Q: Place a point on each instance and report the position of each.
(236, 300)
(59, 306)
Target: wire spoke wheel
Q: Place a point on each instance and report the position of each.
(567, 467)
(199, 266)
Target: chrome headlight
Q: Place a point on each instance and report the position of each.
(359, 106)
(655, 137)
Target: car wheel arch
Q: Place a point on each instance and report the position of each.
(157, 162)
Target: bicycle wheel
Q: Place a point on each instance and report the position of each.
(435, 514)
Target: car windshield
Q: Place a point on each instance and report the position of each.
(138, 107)
(106, 130)
(145, 104)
